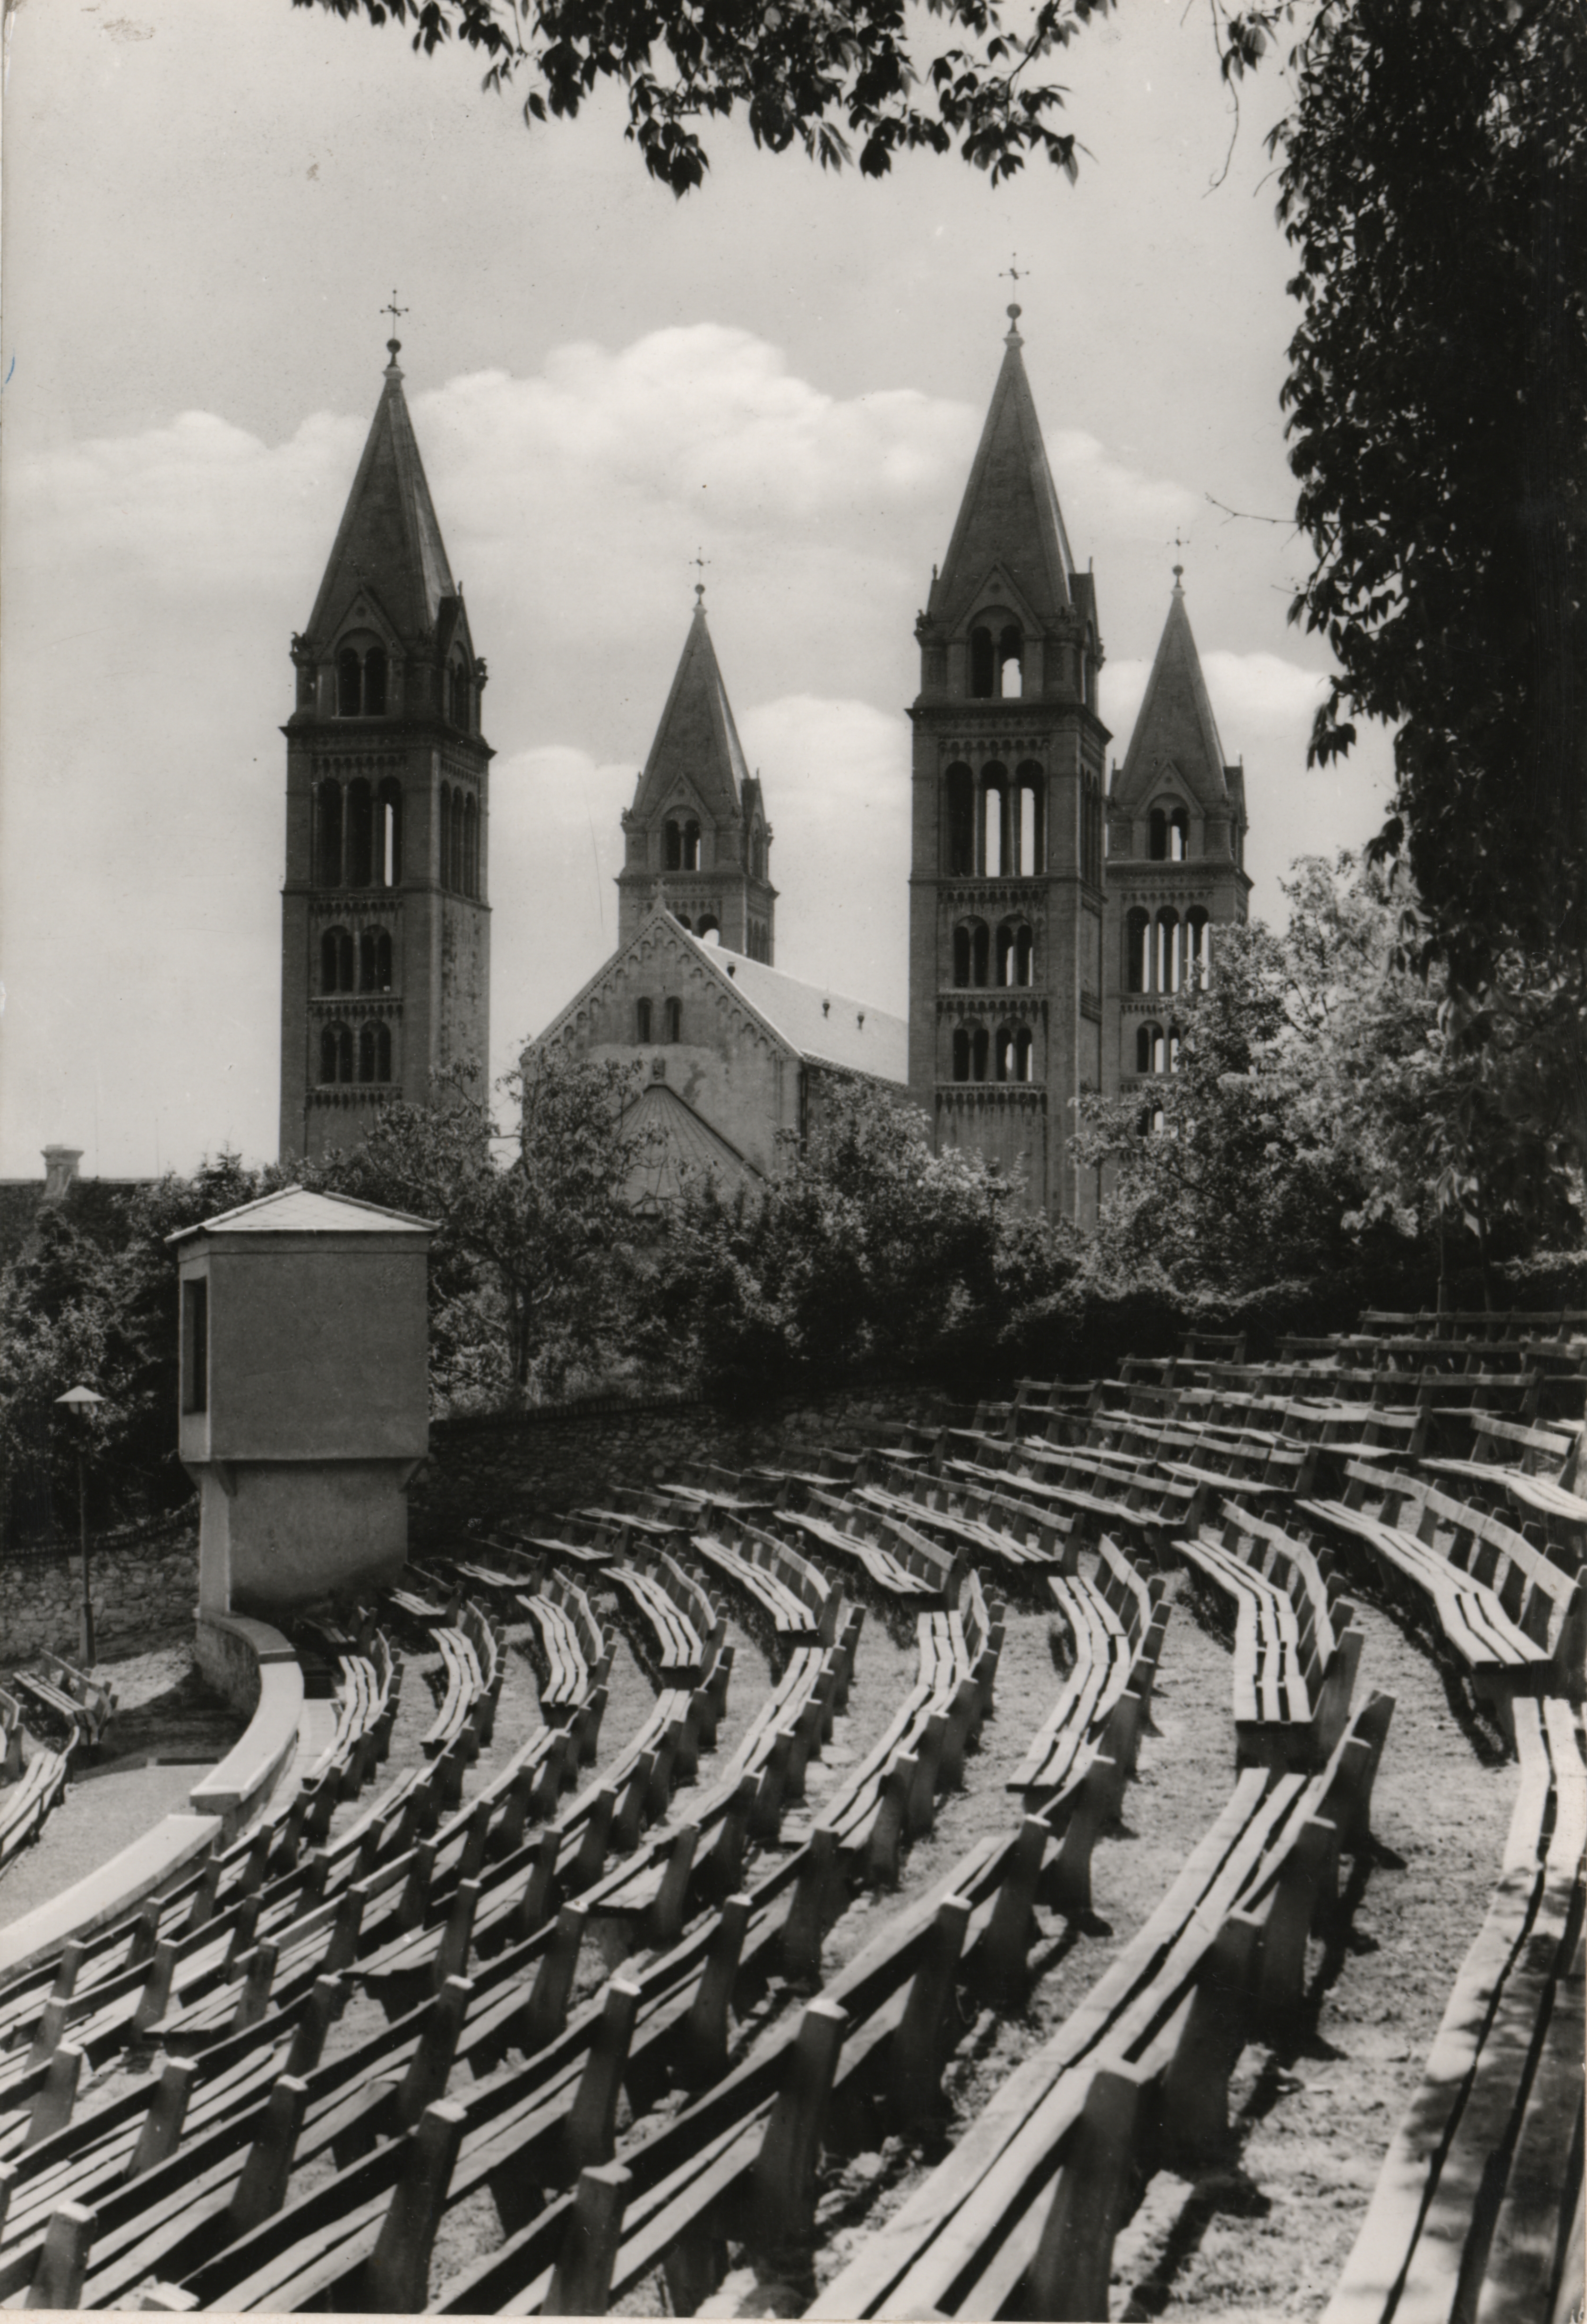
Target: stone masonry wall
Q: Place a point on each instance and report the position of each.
(523, 1469)
(145, 1590)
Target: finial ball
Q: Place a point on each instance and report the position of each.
(1015, 313)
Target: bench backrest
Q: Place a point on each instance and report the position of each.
(1547, 1604)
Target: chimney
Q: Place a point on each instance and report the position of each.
(60, 1170)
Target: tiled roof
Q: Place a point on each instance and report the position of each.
(389, 540)
(294, 1209)
(1009, 518)
(696, 742)
(689, 1144)
(825, 1027)
(1174, 722)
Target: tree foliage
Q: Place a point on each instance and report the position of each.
(845, 81)
(1433, 185)
(1325, 1115)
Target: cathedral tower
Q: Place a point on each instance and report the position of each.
(385, 927)
(1006, 864)
(696, 836)
(1176, 857)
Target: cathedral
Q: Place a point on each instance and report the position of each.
(1056, 913)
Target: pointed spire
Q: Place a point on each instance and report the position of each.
(696, 741)
(1174, 724)
(1010, 516)
(389, 541)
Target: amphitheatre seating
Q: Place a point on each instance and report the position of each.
(68, 1699)
(653, 1516)
(1528, 1466)
(1100, 1491)
(1479, 1323)
(975, 1521)
(496, 1570)
(795, 1596)
(1295, 1655)
(575, 1651)
(577, 1541)
(678, 1632)
(894, 1558)
(1513, 1618)
(1118, 1634)
(1203, 1452)
(25, 1803)
(1470, 2215)
(700, 1485)
(473, 1671)
(1022, 2215)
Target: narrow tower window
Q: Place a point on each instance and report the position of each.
(348, 689)
(1137, 951)
(672, 852)
(691, 846)
(375, 683)
(1030, 826)
(330, 835)
(389, 840)
(1170, 957)
(336, 1053)
(1010, 658)
(471, 844)
(336, 961)
(961, 1053)
(960, 789)
(981, 666)
(1157, 839)
(995, 838)
(979, 1045)
(673, 1010)
(1024, 1048)
(962, 953)
(1198, 938)
(360, 834)
(641, 1020)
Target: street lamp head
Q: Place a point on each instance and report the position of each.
(80, 1399)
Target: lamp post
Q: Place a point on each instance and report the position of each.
(79, 1403)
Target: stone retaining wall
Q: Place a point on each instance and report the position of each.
(523, 1469)
(144, 1594)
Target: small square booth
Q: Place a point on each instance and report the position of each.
(304, 1400)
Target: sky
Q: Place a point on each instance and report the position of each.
(205, 204)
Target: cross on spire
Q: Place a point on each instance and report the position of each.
(393, 345)
(1181, 544)
(1011, 274)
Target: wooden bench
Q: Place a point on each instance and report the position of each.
(800, 1601)
(1101, 1492)
(1532, 1467)
(678, 1630)
(25, 1804)
(1025, 1539)
(577, 1541)
(464, 1687)
(894, 1558)
(1023, 2210)
(69, 1698)
(1514, 1620)
(1295, 1652)
(1117, 1633)
(1472, 2210)
(576, 1655)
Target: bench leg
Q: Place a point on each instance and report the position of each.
(592, 2122)
(1193, 2129)
(884, 1848)
(702, 2042)
(811, 1915)
(395, 2278)
(1000, 1956)
(782, 2196)
(1066, 2283)
(919, 2049)
(581, 2281)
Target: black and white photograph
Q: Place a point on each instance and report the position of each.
(793, 1158)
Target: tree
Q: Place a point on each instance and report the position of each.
(1324, 1115)
(843, 79)
(1434, 184)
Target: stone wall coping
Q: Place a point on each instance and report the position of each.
(254, 1764)
(106, 1895)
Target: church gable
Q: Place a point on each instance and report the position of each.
(659, 965)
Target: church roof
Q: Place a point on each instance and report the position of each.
(389, 540)
(696, 742)
(688, 1143)
(1175, 724)
(297, 1210)
(824, 1027)
(1009, 518)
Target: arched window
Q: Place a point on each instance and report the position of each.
(673, 1010)
(1178, 834)
(960, 788)
(336, 961)
(336, 1053)
(979, 1045)
(1157, 836)
(710, 929)
(1024, 1054)
(350, 687)
(996, 849)
(641, 1020)
(1003, 1054)
(1015, 953)
(1137, 951)
(691, 846)
(389, 835)
(328, 835)
(375, 1052)
(1010, 663)
(979, 952)
(471, 845)
(1168, 962)
(961, 1053)
(1198, 946)
(1029, 820)
(374, 961)
(360, 834)
(962, 953)
(983, 666)
(673, 847)
(374, 682)
(1149, 1048)
(682, 918)
(1171, 1062)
